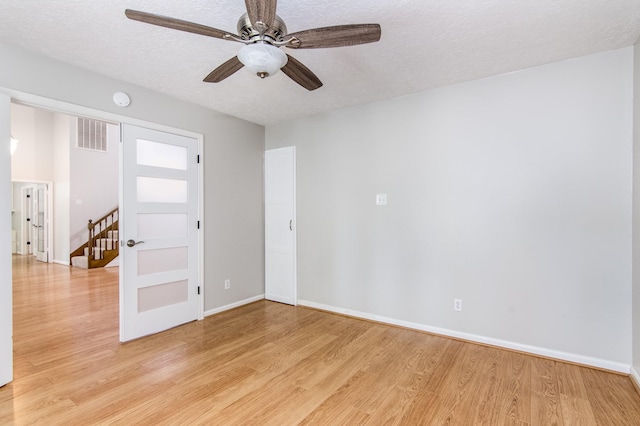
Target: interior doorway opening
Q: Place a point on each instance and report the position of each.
(58, 162)
(69, 167)
(31, 231)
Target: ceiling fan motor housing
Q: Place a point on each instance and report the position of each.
(276, 32)
(260, 55)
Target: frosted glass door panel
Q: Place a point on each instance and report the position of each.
(158, 154)
(158, 190)
(162, 260)
(163, 225)
(159, 296)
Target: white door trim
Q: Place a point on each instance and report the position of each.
(6, 295)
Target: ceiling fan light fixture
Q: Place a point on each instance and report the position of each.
(262, 59)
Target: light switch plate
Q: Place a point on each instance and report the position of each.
(381, 199)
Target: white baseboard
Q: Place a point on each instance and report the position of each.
(635, 377)
(548, 353)
(61, 262)
(233, 305)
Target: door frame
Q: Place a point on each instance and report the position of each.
(6, 272)
(37, 101)
(23, 226)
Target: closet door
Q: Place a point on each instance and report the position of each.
(280, 225)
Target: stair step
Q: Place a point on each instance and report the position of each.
(80, 262)
(98, 251)
(107, 243)
(112, 234)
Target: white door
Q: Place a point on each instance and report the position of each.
(280, 225)
(158, 232)
(40, 222)
(6, 303)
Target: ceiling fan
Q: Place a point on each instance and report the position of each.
(263, 33)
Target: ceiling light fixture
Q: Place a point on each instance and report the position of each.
(262, 58)
(263, 32)
(14, 145)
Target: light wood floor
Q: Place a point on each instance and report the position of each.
(268, 363)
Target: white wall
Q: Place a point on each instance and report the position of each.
(232, 161)
(636, 215)
(32, 159)
(512, 193)
(94, 183)
(61, 178)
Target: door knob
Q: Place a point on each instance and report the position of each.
(132, 243)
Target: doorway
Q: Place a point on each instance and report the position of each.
(31, 230)
(52, 105)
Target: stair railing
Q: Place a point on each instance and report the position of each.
(99, 230)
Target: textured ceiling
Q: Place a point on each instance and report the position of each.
(424, 44)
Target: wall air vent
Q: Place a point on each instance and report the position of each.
(92, 134)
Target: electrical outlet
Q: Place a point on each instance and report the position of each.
(227, 284)
(457, 304)
(381, 199)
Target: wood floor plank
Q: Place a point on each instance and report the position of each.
(515, 377)
(545, 395)
(488, 409)
(272, 364)
(617, 408)
(574, 400)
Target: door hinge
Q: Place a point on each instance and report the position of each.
(198, 158)
(198, 224)
(198, 289)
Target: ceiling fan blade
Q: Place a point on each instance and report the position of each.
(176, 24)
(261, 11)
(340, 35)
(301, 74)
(224, 71)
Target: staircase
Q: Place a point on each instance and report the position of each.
(101, 247)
